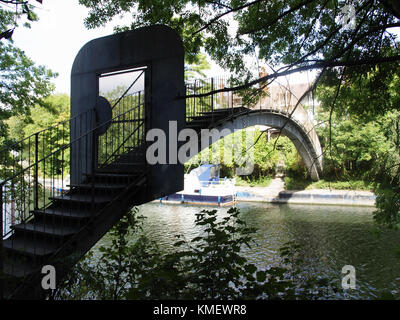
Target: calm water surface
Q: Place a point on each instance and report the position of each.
(331, 236)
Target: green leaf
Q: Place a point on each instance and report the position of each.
(261, 276)
(251, 268)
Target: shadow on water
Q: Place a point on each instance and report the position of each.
(331, 237)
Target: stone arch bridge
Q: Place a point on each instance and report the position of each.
(60, 198)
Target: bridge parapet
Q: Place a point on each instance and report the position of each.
(282, 101)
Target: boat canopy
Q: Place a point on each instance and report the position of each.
(207, 174)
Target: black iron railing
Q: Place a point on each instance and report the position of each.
(36, 171)
(35, 168)
(203, 106)
(33, 171)
(198, 106)
(126, 131)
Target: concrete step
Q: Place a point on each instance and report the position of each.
(99, 186)
(19, 243)
(83, 198)
(49, 229)
(68, 212)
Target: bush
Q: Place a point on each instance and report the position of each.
(210, 266)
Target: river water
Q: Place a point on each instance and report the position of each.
(331, 237)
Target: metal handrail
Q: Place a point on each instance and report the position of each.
(80, 115)
(66, 145)
(196, 107)
(8, 148)
(22, 175)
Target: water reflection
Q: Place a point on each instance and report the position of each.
(331, 236)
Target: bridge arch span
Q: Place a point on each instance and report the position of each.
(309, 150)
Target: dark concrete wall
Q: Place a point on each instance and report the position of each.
(160, 49)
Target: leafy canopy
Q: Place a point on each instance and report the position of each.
(299, 34)
(15, 10)
(23, 84)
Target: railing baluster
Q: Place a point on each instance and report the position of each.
(36, 171)
(212, 100)
(1, 244)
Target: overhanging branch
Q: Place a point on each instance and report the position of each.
(225, 13)
(316, 65)
(282, 15)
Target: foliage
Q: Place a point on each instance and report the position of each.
(22, 83)
(360, 134)
(388, 208)
(53, 111)
(296, 182)
(299, 183)
(265, 154)
(300, 34)
(253, 182)
(11, 11)
(350, 184)
(366, 96)
(110, 276)
(352, 146)
(196, 69)
(209, 266)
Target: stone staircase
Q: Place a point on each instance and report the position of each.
(54, 232)
(206, 119)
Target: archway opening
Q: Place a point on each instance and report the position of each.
(254, 156)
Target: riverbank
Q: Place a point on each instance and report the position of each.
(275, 193)
(329, 238)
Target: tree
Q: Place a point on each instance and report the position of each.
(197, 68)
(351, 43)
(22, 83)
(289, 35)
(15, 10)
(54, 112)
(360, 134)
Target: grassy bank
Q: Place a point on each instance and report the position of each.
(245, 181)
(297, 183)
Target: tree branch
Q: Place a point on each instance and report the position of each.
(225, 13)
(282, 15)
(316, 65)
(299, 102)
(307, 35)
